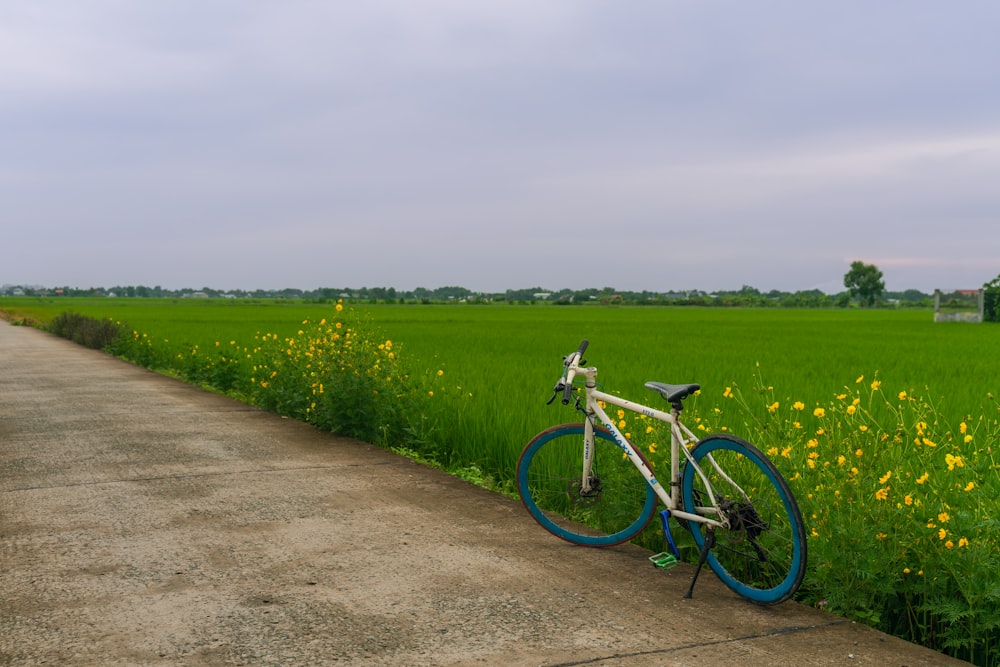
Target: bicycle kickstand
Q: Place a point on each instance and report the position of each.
(702, 557)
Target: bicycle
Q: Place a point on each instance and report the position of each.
(579, 482)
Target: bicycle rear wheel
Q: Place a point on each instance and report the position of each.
(549, 476)
(762, 556)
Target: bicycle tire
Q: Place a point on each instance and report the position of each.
(763, 556)
(548, 480)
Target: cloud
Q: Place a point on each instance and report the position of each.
(679, 145)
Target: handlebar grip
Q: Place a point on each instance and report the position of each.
(582, 349)
(567, 393)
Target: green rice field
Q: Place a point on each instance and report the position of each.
(884, 422)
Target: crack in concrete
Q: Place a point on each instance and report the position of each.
(687, 647)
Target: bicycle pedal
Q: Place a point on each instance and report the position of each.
(664, 560)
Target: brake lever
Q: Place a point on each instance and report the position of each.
(555, 391)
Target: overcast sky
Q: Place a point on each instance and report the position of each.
(499, 144)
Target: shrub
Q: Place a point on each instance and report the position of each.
(87, 331)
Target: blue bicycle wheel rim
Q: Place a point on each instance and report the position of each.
(787, 586)
(536, 512)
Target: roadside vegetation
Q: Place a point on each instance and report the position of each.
(885, 424)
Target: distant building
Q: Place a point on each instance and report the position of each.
(962, 305)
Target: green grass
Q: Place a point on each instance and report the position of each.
(883, 421)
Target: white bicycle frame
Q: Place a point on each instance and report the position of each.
(680, 437)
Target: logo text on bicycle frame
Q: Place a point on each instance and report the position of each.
(624, 446)
(618, 441)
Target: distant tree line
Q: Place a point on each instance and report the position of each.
(863, 283)
(745, 297)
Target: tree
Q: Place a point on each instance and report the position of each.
(865, 282)
(991, 300)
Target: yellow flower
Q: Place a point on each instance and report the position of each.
(812, 444)
(963, 542)
(942, 533)
(882, 493)
(799, 405)
(953, 461)
(621, 424)
(902, 395)
(949, 544)
(876, 384)
(963, 427)
(967, 439)
(773, 407)
(929, 442)
(860, 380)
(863, 428)
(649, 429)
(908, 500)
(728, 393)
(841, 460)
(923, 478)
(906, 570)
(970, 486)
(819, 412)
(339, 307)
(813, 455)
(621, 414)
(885, 478)
(851, 409)
(787, 452)
(652, 448)
(430, 393)
(859, 453)
(440, 373)
(943, 517)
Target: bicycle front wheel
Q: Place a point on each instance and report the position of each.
(615, 509)
(762, 555)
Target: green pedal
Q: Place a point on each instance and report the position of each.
(664, 560)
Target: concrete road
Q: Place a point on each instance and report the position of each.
(146, 522)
